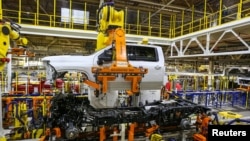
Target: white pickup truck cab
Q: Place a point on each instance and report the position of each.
(139, 55)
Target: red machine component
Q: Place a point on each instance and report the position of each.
(42, 88)
(5, 60)
(21, 51)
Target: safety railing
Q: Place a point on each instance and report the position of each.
(217, 99)
(223, 15)
(141, 23)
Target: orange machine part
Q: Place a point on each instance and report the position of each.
(120, 45)
(57, 132)
(42, 138)
(204, 125)
(131, 132)
(115, 130)
(102, 134)
(151, 130)
(131, 74)
(120, 65)
(202, 122)
(104, 80)
(92, 84)
(118, 35)
(21, 51)
(8, 101)
(199, 137)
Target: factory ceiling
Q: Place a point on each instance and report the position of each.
(44, 46)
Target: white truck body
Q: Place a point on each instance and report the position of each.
(139, 55)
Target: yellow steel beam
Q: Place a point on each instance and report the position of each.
(239, 10)
(205, 12)
(85, 16)
(125, 19)
(1, 10)
(160, 25)
(37, 11)
(182, 21)
(174, 22)
(220, 12)
(138, 20)
(19, 11)
(149, 24)
(70, 15)
(192, 26)
(170, 27)
(54, 19)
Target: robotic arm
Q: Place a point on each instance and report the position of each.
(111, 32)
(108, 21)
(9, 31)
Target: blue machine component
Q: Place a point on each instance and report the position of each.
(214, 98)
(238, 120)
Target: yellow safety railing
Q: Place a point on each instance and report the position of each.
(155, 24)
(223, 15)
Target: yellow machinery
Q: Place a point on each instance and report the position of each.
(111, 32)
(8, 32)
(229, 115)
(156, 137)
(17, 113)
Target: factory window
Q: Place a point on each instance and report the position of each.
(77, 16)
(138, 53)
(134, 53)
